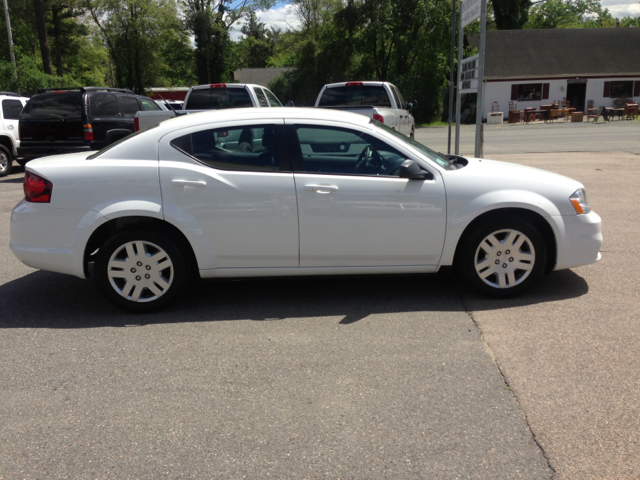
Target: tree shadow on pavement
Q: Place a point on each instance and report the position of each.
(50, 300)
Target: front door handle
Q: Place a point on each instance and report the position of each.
(188, 183)
(321, 188)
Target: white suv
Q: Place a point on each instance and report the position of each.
(11, 105)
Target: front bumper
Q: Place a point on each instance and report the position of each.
(579, 241)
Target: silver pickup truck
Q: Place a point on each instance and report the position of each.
(212, 97)
(381, 101)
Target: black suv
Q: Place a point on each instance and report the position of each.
(67, 120)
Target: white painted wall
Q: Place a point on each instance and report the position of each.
(501, 92)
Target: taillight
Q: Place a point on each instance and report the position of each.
(36, 188)
(378, 117)
(19, 133)
(353, 84)
(218, 85)
(88, 131)
(136, 124)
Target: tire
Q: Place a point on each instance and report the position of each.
(6, 161)
(503, 258)
(412, 135)
(140, 252)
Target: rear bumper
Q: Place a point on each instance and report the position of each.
(31, 152)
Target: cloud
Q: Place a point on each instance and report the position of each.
(283, 18)
(622, 8)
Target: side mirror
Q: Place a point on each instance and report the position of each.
(413, 104)
(289, 103)
(411, 170)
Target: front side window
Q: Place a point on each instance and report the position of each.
(341, 151)
(273, 100)
(103, 105)
(244, 148)
(621, 89)
(529, 91)
(11, 109)
(129, 106)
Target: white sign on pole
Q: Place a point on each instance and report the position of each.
(469, 11)
(469, 75)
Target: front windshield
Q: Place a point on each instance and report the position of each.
(443, 162)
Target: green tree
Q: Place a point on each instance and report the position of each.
(569, 14)
(135, 32)
(209, 21)
(510, 14)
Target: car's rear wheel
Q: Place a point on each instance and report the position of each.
(503, 258)
(141, 270)
(6, 161)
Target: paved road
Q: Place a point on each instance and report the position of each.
(384, 377)
(621, 136)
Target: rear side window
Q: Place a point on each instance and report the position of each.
(357, 95)
(262, 100)
(65, 106)
(244, 148)
(149, 104)
(218, 98)
(11, 109)
(129, 106)
(103, 105)
(273, 100)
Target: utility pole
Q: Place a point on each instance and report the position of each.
(13, 59)
(453, 45)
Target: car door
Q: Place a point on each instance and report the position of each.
(354, 209)
(239, 196)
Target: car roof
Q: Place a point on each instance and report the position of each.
(226, 85)
(258, 114)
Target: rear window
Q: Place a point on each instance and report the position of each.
(54, 106)
(217, 98)
(357, 95)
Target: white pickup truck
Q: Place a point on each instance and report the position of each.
(11, 105)
(381, 101)
(212, 97)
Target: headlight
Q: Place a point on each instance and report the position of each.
(579, 201)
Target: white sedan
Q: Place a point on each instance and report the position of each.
(282, 191)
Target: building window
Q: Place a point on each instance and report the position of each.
(621, 89)
(529, 91)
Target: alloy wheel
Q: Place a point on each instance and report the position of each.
(505, 258)
(140, 271)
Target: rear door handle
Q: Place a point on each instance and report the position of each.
(321, 188)
(188, 183)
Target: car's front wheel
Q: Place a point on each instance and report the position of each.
(503, 258)
(6, 161)
(141, 270)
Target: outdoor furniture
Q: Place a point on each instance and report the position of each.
(514, 116)
(495, 118)
(553, 113)
(616, 112)
(577, 117)
(529, 114)
(566, 104)
(631, 111)
(565, 114)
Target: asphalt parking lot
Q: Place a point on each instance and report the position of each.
(365, 377)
